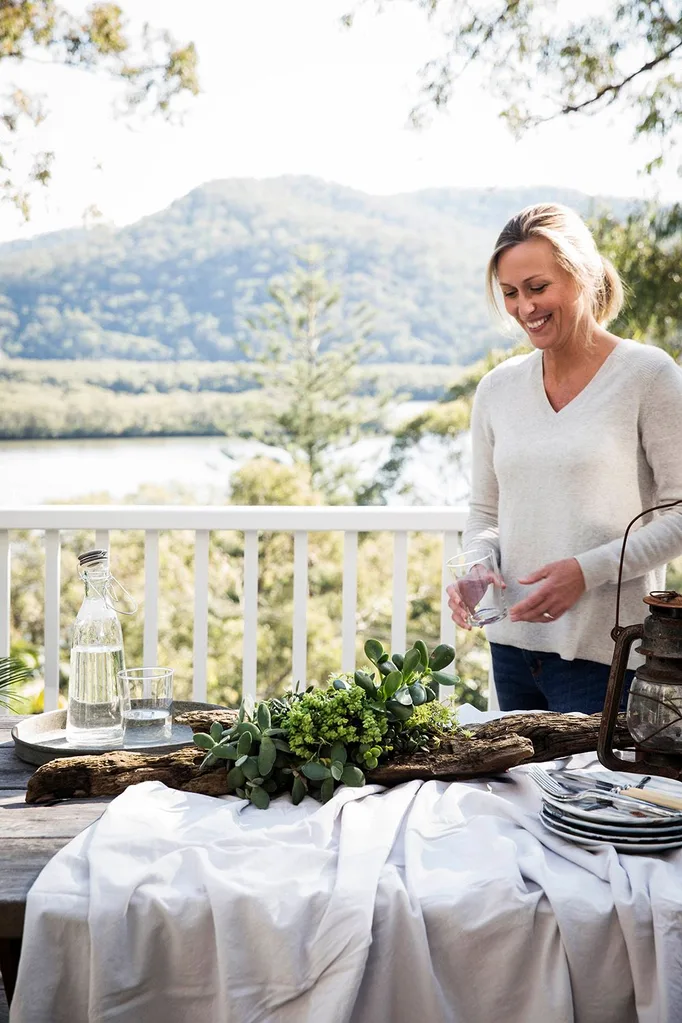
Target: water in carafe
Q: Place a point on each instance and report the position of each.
(94, 715)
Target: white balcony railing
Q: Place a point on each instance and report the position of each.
(53, 519)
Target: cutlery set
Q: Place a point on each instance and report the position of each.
(592, 810)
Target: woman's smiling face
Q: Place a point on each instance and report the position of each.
(539, 294)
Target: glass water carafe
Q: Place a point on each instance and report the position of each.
(95, 702)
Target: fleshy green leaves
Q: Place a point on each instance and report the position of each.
(418, 694)
(203, 741)
(365, 682)
(250, 769)
(441, 657)
(399, 711)
(352, 776)
(245, 742)
(374, 650)
(403, 696)
(420, 647)
(263, 717)
(235, 779)
(443, 678)
(391, 683)
(338, 752)
(316, 771)
(298, 791)
(225, 751)
(411, 662)
(266, 756)
(259, 797)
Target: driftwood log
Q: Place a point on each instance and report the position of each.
(495, 747)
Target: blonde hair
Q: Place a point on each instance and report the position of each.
(599, 285)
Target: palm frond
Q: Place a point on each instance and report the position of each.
(12, 672)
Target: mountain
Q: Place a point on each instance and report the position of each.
(178, 284)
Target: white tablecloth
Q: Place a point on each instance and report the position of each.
(427, 903)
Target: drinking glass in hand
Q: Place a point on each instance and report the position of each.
(479, 585)
(147, 705)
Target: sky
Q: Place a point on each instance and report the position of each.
(287, 90)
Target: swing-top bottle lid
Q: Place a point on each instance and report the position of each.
(92, 557)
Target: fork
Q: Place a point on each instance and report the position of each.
(557, 791)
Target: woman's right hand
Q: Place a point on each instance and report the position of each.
(460, 615)
(465, 593)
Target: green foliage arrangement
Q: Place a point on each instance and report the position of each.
(308, 742)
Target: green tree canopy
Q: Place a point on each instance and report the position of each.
(647, 250)
(154, 68)
(543, 61)
(305, 352)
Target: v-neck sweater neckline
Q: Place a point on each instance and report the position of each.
(594, 379)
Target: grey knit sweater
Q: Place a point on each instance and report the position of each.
(548, 485)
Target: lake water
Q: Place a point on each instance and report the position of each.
(44, 471)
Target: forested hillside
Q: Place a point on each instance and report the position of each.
(177, 285)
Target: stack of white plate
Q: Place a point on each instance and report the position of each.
(593, 822)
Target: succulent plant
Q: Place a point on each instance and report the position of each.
(405, 681)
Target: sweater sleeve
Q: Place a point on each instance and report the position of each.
(660, 540)
(482, 525)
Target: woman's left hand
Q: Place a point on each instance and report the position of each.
(563, 586)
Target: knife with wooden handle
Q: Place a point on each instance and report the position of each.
(577, 780)
(652, 796)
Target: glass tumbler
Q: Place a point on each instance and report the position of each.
(479, 584)
(147, 705)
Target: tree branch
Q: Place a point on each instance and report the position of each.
(616, 86)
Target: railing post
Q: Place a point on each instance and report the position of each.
(349, 600)
(451, 545)
(250, 656)
(52, 612)
(299, 646)
(399, 617)
(448, 629)
(102, 540)
(200, 654)
(5, 593)
(150, 640)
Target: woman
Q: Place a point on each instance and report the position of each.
(569, 443)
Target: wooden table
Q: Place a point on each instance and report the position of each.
(29, 837)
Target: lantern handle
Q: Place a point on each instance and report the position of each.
(617, 629)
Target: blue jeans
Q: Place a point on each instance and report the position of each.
(534, 680)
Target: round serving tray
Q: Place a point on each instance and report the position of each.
(42, 737)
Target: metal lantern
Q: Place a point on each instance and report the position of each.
(654, 710)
